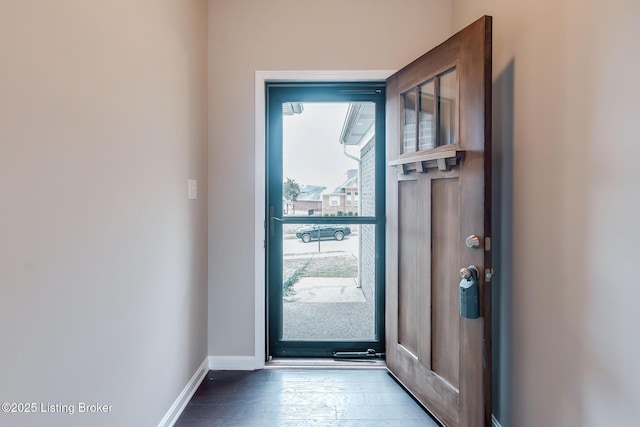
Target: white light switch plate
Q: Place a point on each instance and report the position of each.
(193, 189)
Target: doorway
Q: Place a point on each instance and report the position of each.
(325, 219)
(437, 190)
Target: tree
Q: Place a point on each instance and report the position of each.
(291, 190)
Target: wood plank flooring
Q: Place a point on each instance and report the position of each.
(303, 398)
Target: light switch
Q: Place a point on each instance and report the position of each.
(193, 189)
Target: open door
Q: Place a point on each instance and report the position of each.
(438, 268)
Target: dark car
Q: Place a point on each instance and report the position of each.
(322, 231)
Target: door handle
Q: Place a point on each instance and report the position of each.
(272, 220)
(469, 293)
(469, 272)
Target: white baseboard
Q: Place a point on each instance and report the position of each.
(234, 363)
(178, 406)
(494, 421)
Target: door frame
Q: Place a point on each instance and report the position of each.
(261, 78)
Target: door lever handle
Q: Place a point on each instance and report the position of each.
(467, 273)
(272, 220)
(271, 223)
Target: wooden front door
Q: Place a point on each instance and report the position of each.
(438, 227)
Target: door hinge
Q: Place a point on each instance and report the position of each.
(487, 244)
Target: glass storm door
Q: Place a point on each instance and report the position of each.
(325, 219)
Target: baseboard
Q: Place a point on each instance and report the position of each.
(176, 409)
(494, 421)
(234, 363)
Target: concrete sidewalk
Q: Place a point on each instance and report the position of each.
(326, 289)
(331, 309)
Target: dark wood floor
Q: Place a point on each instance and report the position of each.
(302, 398)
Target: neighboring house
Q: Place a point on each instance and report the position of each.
(359, 131)
(343, 200)
(309, 201)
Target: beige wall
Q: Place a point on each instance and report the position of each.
(103, 260)
(102, 257)
(250, 35)
(565, 122)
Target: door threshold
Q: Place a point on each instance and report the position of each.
(323, 363)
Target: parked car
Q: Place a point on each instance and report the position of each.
(322, 231)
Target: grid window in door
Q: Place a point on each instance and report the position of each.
(430, 113)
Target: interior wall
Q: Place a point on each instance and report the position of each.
(565, 107)
(246, 36)
(103, 260)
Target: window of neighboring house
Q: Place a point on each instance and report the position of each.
(355, 199)
(334, 201)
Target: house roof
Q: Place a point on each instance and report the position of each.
(348, 179)
(311, 193)
(359, 123)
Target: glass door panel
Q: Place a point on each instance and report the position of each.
(326, 296)
(409, 127)
(429, 113)
(448, 107)
(328, 159)
(427, 129)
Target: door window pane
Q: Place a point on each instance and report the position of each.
(437, 105)
(409, 127)
(328, 289)
(426, 129)
(447, 107)
(328, 156)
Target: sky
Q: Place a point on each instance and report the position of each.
(312, 153)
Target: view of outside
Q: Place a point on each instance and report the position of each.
(328, 269)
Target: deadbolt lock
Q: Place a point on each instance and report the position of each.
(473, 241)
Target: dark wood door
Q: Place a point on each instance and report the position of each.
(438, 222)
